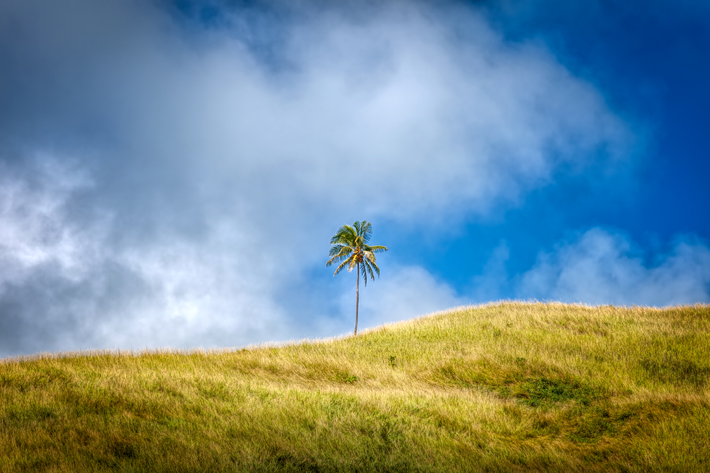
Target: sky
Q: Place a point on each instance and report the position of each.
(172, 171)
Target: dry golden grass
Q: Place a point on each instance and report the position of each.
(501, 387)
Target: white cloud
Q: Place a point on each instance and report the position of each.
(607, 268)
(599, 267)
(218, 172)
(405, 293)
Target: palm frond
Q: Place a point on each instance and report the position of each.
(341, 266)
(339, 257)
(337, 253)
(365, 231)
(377, 248)
(335, 249)
(368, 270)
(371, 258)
(345, 235)
(334, 259)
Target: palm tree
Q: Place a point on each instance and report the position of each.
(349, 248)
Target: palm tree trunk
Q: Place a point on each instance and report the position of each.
(357, 296)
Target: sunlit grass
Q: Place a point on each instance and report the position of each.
(502, 387)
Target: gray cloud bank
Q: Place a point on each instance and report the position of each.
(167, 182)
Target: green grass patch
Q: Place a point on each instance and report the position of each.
(537, 392)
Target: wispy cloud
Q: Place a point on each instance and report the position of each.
(608, 268)
(407, 292)
(594, 267)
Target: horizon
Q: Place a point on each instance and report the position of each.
(137, 352)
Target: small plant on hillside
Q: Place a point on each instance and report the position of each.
(351, 379)
(349, 248)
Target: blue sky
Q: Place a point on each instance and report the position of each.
(171, 172)
(649, 63)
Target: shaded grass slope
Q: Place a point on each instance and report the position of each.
(502, 387)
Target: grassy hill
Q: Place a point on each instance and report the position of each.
(504, 387)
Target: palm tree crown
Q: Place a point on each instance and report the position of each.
(349, 247)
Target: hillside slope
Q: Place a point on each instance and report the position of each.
(503, 387)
